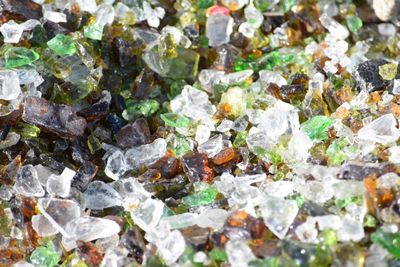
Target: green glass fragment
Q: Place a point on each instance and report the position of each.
(243, 64)
(203, 4)
(218, 254)
(274, 157)
(316, 128)
(287, 58)
(252, 21)
(203, 41)
(29, 131)
(59, 96)
(94, 144)
(354, 23)
(155, 92)
(181, 146)
(94, 32)
(358, 200)
(62, 45)
(155, 261)
(83, 87)
(168, 47)
(5, 225)
(260, 152)
(137, 108)
(39, 37)
(219, 89)
(369, 221)
(200, 198)
(388, 71)
(16, 57)
(272, 262)
(308, 40)
(343, 202)
(176, 88)
(286, 5)
(389, 241)
(266, 155)
(262, 5)
(240, 139)
(336, 82)
(271, 60)
(322, 258)
(299, 200)
(336, 152)
(45, 256)
(328, 237)
(279, 176)
(274, 59)
(187, 258)
(175, 120)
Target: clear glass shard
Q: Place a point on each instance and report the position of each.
(382, 130)
(59, 212)
(9, 85)
(218, 29)
(43, 226)
(238, 252)
(27, 182)
(11, 31)
(60, 185)
(171, 247)
(88, 229)
(116, 165)
(148, 214)
(100, 195)
(278, 214)
(146, 154)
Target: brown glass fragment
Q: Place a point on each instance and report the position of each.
(133, 241)
(11, 255)
(31, 235)
(20, 10)
(96, 111)
(54, 118)
(84, 175)
(10, 118)
(134, 134)
(196, 167)
(266, 249)
(9, 172)
(143, 84)
(225, 156)
(253, 228)
(168, 166)
(196, 236)
(359, 171)
(89, 253)
(28, 208)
